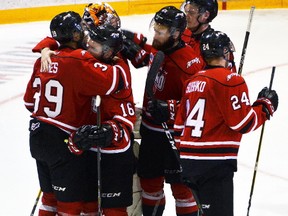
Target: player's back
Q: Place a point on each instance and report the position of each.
(209, 93)
(206, 118)
(64, 93)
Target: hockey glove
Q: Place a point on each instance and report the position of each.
(117, 131)
(162, 111)
(269, 100)
(79, 141)
(132, 51)
(72, 146)
(135, 37)
(89, 136)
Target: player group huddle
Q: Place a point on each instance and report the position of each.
(84, 122)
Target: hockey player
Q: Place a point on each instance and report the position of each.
(100, 13)
(94, 15)
(56, 99)
(97, 14)
(156, 155)
(118, 114)
(199, 14)
(214, 113)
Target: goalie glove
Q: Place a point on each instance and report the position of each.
(269, 100)
(162, 111)
(132, 51)
(135, 37)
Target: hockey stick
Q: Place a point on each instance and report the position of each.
(259, 148)
(246, 40)
(36, 202)
(97, 105)
(175, 150)
(156, 64)
(172, 142)
(151, 76)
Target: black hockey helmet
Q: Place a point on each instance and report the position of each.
(108, 36)
(63, 25)
(209, 5)
(215, 44)
(171, 17)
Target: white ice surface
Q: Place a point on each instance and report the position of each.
(267, 47)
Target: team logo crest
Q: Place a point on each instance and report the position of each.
(34, 126)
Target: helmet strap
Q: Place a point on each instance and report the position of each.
(201, 23)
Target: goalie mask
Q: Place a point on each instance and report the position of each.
(99, 14)
(216, 44)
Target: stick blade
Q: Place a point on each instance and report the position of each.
(155, 66)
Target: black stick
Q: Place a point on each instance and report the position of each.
(97, 105)
(150, 80)
(155, 66)
(259, 149)
(246, 40)
(36, 203)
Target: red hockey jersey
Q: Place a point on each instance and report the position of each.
(189, 39)
(119, 107)
(194, 42)
(63, 95)
(46, 42)
(178, 66)
(214, 113)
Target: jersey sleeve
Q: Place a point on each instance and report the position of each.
(49, 42)
(120, 108)
(120, 104)
(238, 114)
(28, 97)
(100, 77)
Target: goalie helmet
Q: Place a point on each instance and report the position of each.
(171, 17)
(63, 25)
(100, 14)
(209, 5)
(215, 44)
(108, 36)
